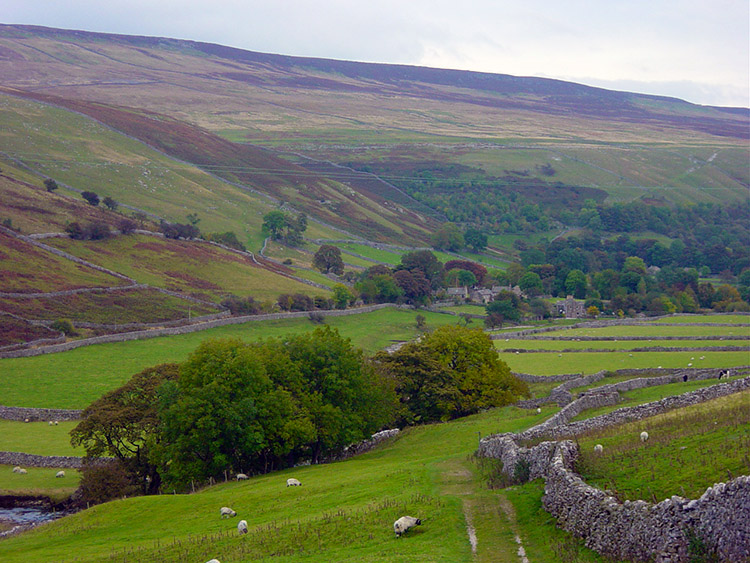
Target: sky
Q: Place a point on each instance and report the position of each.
(696, 50)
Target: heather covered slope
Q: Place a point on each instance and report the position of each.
(394, 120)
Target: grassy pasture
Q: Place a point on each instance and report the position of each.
(688, 450)
(660, 331)
(38, 481)
(375, 254)
(624, 345)
(343, 511)
(75, 378)
(728, 318)
(592, 362)
(189, 267)
(38, 438)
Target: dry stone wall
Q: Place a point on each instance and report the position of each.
(630, 531)
(24, 414)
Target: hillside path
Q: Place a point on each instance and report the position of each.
(490, 517)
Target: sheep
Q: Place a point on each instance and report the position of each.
(17, 469)
(50, 423)
(538, 410)
(293, 483)
(56, 423)
(242, 527)
(213, 561)
(598, 448)
(226, 512)
(241, 476)
(60, 474)
(403, 524)
(723, 373)
(22, 471)
(644, 436)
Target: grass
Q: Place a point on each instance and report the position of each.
(38, 481)
(471, 309)
(592, 362)
(343, 511)
(736, 319)
(38, 438)
(624, 345)
(189, 267)
(659, 331)
(688, 450)
(75, 378)
(644, 395)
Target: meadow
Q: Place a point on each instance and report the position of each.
(38, 438)
(38, 481)
(348, 517)
(688, 450)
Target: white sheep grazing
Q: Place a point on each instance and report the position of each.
(538, 410)
(17, 469)
(242, 527)
(56, 423)
(60, 474)
(598, 448)
(241, 476)
(293, 483)
(22, 471)
(213, 561)
(644, 436)
(227, 512)
(403, 524)
(50, 423)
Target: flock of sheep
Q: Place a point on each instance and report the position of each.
(22, 471)
(599, 448)
(400, 526)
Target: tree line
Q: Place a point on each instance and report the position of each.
(234, 406)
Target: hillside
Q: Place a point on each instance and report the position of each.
(398, 121)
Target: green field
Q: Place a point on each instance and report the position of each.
(625, 345)
(75, 378)
(657, 331)
(38, 481)
(348, 517)
(38, 438)
(591, 362)
(688, 450)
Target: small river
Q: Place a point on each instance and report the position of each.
(25, 517)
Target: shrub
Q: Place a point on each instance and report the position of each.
(91, 198)
(126, 226)
(50, 184)
(102, 483)
(64, 326)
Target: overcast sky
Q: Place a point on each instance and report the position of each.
(697, 50)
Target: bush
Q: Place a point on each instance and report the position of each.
(91, 198)
(126, 226)
(240, 306)
(64, 326)
(102, 483)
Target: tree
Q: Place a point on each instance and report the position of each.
(50, 184)
(451, 372)
(328, 259)
(505, 305)
(110, 203)
(414, 286)
(274, 223)
(426, 262)
(91, 198)
(124, 424)
(575, 284)
(342, 297)
(478, 270)
(531, 284)
(448, 237)
(476, 239)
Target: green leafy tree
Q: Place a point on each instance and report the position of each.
(328, 259)
(273, 224)
(576, 283)
(124, 424)
(426, 262)
(448, 237)
(342, 296)
(531, 284)
(50, 184)
(451, 372)
(476, 239)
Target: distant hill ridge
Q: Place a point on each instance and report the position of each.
(543, 95)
